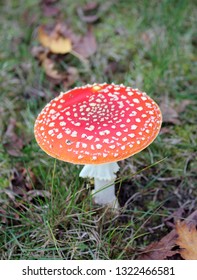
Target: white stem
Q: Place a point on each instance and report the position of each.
(104, 192)
(104, 177)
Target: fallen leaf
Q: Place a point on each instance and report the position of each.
(11, 141)
(39, 52)
(54, 40)
(49, 68)
(169, 113)
(89, 12)
(49, 8)
(71, 78)
(67, 78)
(93, 11)
(187, 240)
(22, 181)
(160, 250)
(183, 104)
(87, 45)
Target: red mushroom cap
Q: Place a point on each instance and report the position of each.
(97, 124)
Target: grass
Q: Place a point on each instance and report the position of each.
(46, 210)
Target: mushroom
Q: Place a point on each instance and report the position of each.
(98, 125)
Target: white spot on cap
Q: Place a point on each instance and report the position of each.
(84, 145)
(149, 105)
(77, 124)
(124, 139)
(74, 134)
(140, 108)
(98, 146)
(68, 131)
(133, 127)
(92, 127)
(118, 133)
(59, 136)
(136, 100)
(90, 137)
(51, 124)
(50, 131)
(52, 111)
(78, 145)
(80, 157)
(121, 104)
(104, 132)
(62, 123)
(112, 147)
(133, 113)
(138, 120)
(106, 141)
(132, 135)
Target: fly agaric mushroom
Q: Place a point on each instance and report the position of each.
(98, 125)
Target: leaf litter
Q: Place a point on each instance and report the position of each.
(92, 12)
(22, 193)
(11, 141)
(184, 235)
(58, 41)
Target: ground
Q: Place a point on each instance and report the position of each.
(46, 211)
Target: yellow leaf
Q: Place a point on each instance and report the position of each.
(54, 41)
(187, 240)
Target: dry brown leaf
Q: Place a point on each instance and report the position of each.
(160, 250)
(187, 240)
(67, 78)
(170, 115)
(39, 52)
(89, 12)
(72, 76)
(171, 111)
(87, 45)
(49, 8)
(11, 141)
(93, 11)
(54, 40)
(49, 68)
(22, 181)
(183, 104)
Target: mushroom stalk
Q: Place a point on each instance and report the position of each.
(104, 177)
